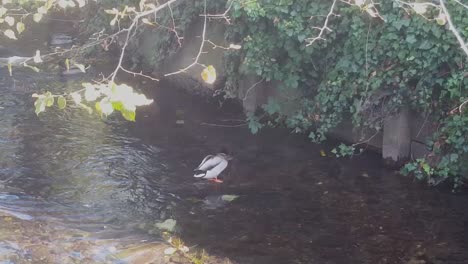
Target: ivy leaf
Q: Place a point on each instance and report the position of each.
(411, 39)
(426, 168)
(61, 102)
(10, 34)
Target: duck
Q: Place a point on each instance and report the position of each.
(212, 166)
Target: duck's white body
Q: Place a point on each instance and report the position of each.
(212, 166)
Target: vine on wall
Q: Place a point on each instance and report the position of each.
(365, 67)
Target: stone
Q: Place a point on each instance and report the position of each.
(397, 138)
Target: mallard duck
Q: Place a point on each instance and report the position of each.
(212, 166)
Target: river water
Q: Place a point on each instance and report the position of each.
(78, 189)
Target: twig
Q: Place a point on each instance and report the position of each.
(195, 62)
(465, 6)
(452, 27)
(223, 15)
(174, 27)
(251, 87)
(139, 74)
(130, 29)
(324, 27)
(218, 125)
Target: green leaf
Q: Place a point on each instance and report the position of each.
(40, 104)
(49, 99)
(61, 102)
(128, 114)
(411, 39)
(426, 168)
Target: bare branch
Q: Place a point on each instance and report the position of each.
(324, 27)
(223, 15)
(453, 28)
(202, 45)
(130, 29)
(139, 74)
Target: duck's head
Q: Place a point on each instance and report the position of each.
(225, 154)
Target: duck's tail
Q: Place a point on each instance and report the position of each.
(199, 174)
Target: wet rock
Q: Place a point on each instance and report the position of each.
(60, 40)
(168, 225)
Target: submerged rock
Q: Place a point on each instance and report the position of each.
(168, 225)
(60, 39)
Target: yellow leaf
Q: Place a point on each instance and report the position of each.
(10, 20)
(20, 27)
(112, 11)
(81, 3)
(63, 3)
(142, 5)
(3, 11)
(234, 46)
(209, 74)
(81, 67)
(10, 69)
(67, 64)
(76, 98)
(42, 10)
(420, 8)
(146, 21)
(113, 21)
(31, 67)
(49, 4)
(322, 153)
(37, 58)
(10, 34)
(37, 17)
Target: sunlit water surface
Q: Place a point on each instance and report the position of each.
(78, 189)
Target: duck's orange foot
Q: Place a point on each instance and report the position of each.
(216, 180)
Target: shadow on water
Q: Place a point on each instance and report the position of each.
(78, 189)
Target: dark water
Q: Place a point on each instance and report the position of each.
(94, 185)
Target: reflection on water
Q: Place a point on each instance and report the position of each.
(77, 189)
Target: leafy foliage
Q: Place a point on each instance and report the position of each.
(108, 97)
(365, 68)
